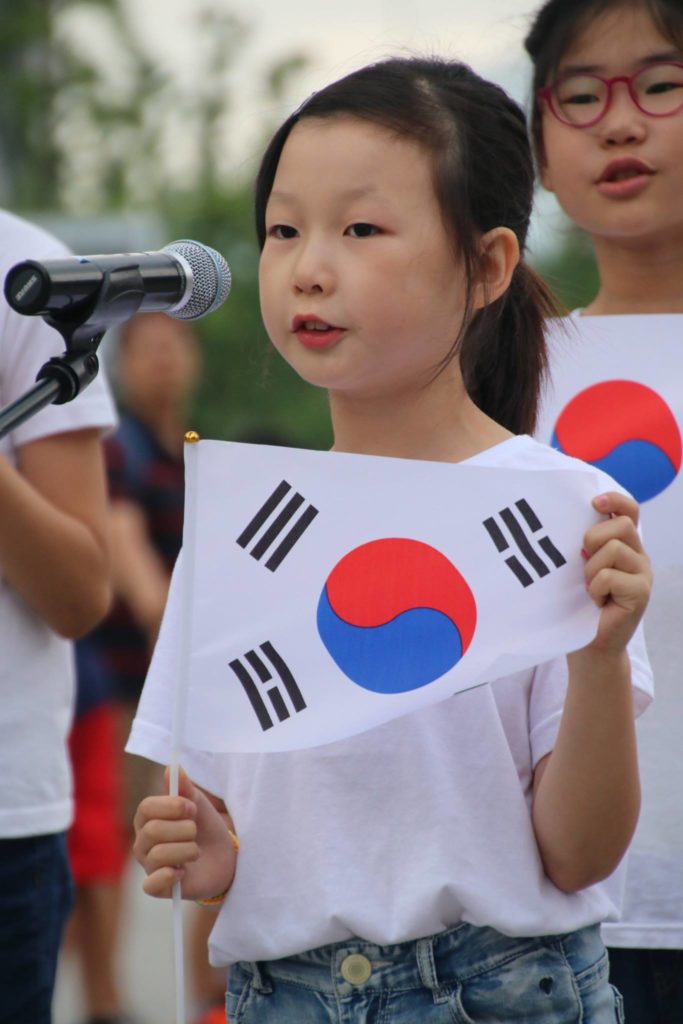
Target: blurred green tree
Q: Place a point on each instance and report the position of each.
(571, 270)
(92, 122)
(31, 64)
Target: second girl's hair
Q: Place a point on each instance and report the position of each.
(558, 23)
(483, 178)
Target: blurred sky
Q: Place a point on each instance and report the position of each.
(337, 36)
(342, 34)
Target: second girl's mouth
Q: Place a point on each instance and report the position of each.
(315, 333)
(624, 178)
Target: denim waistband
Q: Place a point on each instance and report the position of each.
(448, 958)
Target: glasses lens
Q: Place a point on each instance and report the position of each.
(660, 88)
(580, 99)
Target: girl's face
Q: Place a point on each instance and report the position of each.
(360, 289)
(621, 178)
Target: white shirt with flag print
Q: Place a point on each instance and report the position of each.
(623, 376)
(416, 824)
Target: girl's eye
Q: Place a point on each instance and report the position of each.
(282, 231)
(362, 230)
(582, 98)
(579, 90)
(658, 87)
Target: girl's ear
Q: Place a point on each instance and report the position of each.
(499, 255)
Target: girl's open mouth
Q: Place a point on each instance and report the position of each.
(624, 178)
(315, 333)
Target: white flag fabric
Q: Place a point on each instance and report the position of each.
(616, 401)
(329, 593)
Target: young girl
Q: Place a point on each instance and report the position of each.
(446, 866)
(608, 128)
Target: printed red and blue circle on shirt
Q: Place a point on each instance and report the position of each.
(625, 429)
(395, 614)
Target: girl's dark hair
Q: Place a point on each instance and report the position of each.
(483, 179)
(558, 23)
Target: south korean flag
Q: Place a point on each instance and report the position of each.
(320, 594)
(615, 400)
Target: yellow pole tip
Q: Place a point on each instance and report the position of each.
(191, 437)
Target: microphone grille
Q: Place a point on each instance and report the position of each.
(212, 279)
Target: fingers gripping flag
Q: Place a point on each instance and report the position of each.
(330, 593)
(616, 401)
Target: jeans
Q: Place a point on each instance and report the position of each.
(651, 981)
(466, 975)
(35, 900)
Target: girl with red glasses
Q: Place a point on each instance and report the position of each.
(607, 123)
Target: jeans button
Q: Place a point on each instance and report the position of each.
(356, 969)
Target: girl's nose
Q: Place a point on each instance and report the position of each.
(313, 272)
(623, 124)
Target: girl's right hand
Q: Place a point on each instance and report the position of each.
(184, 838)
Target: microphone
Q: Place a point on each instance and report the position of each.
(185, 279)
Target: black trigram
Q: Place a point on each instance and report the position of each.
(255, 684)
(518, 527)
(273, 534)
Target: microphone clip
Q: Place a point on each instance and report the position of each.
(82, 326)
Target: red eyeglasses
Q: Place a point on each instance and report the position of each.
(580, 101)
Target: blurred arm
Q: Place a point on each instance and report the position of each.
(53, 532)
(139, 575)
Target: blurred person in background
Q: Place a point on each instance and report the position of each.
(54, 571)
(156, 369)
(156, 366)
(98, 840)
(608, 129)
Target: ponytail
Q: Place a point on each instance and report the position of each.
(503, 356)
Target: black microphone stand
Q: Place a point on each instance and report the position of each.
(82, 326)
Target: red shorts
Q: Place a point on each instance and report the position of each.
(98, 840)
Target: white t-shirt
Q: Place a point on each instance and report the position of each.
(36, 671)
(652, 915)
(399, 832)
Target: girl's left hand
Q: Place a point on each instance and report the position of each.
(618, 574)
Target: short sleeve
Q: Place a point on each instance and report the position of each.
(27, 342)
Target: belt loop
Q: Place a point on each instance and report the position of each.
(426, 966)
(260, 983)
